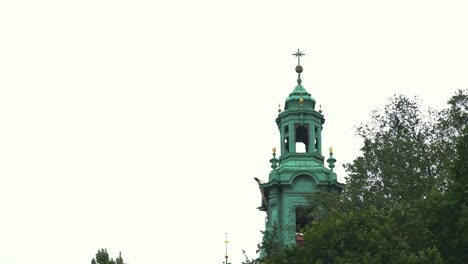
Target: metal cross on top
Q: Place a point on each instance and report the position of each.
(298, 54)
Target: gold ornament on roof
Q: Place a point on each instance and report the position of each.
(274, 150)
(331, 149)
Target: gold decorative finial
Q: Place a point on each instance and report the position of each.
(331, 150)
(274, 150)
(301, 101)
(279, 108)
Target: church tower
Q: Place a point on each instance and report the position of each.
(300, 169)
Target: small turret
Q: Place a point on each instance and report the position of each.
(274, 161)
(331, 160)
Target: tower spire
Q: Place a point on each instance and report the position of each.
(226, 256)
(299, 68)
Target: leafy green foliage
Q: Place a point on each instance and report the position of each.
(397, 162)
(102, 257)
(406, 196)
(448, 214)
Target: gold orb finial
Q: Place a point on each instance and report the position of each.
(274, 150)
(331, 150)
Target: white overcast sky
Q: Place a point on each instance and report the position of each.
(138, 126)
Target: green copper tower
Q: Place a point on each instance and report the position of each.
(300, 169)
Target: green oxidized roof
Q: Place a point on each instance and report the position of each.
(299, 89)
(294, 97)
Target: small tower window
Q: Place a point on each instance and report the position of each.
(302, 139)
(286, 138)
(303, 217)
(316, 140)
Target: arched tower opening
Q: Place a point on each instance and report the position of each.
(302, 138)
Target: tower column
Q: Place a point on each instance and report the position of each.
(311, 138)
(292, 138)
(319, 140)
(282, 139)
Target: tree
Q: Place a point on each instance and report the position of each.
(102, 257)
(398, 159)
(447, 213)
